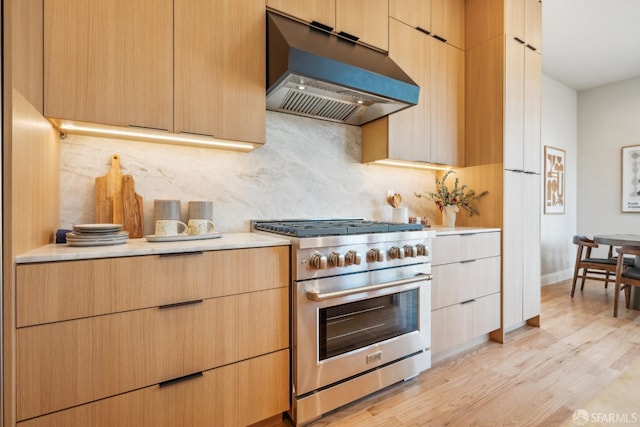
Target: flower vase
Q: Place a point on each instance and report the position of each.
(449, 215)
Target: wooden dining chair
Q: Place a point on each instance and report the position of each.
(626, 277)
(588, 267)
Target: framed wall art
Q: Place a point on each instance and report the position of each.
(631, 178)
(554, 177)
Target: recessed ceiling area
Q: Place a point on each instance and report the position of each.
(590, 43)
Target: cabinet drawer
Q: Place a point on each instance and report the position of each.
(56, 291)
(460, 323)
(69, 363)
(234, 395)
(463, 247)
(462, 281)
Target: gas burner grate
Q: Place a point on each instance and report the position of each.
(337, 227)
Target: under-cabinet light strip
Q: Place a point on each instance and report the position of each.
(407, 164)
(149, 135)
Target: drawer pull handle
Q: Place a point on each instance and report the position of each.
(532, 47)
(519, 40)
(321, 26)
(437, 37)
(179, 304)
(467, 260)
(467, 301)
(422, 30)
(317, 296)
(167, 383)
(182, 254)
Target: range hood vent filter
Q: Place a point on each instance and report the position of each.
(317, 74)
(298, 102)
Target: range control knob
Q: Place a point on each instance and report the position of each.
(318, 261)
(353, 257)
(336, 259)
(375, 255)
(396, 252)
(410, 251)
(422, 250)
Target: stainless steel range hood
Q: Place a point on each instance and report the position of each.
(317, 74)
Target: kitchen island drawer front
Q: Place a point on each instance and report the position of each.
(462, 247)
(454, 283)
(56, 291)
(233, 395)
(63, 364)
(459, 323)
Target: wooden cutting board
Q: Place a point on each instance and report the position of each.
(107, 186)
(127, 208)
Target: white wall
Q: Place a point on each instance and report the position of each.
(307, 168)
(608, 119)
(559, 130)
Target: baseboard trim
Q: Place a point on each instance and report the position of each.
(556, 277)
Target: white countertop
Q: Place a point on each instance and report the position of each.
(444, 231)
(135, 247)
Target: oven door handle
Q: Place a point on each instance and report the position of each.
(317, 296)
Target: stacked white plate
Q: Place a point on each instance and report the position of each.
(97, 235)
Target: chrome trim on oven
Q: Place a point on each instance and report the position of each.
(318, 296)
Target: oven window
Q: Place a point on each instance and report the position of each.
(354, 325)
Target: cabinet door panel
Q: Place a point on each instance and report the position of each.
(514, 11)
(366, 19)
(512, 252)
(448, 21)
(514, 106)
(56, 291)
(410, 130)
(220, 64)
(533, 23)
(234, 395)
(109, 62)
(532, 187)
(532, 114)
(102, 356)
(323, 11)
(464, 247)
(454, 283)
(460, 323)
(415, 13)
(447, 104)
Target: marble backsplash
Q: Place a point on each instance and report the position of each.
(307, 169)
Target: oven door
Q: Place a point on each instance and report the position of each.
(349, 325)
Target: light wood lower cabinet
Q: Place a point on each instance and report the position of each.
(465, 290)
(139, 338)
(233, 395)
(459, 323)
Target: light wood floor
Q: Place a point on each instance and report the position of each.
(539, 377)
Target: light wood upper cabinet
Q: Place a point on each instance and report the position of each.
(448, 21)
(365, 19)
(523, 86)
(514, 105)
(447, 104)
(415, 13)
(220, 63)
(532, 111)
(109, 61)
(322, 11)
(533, 24)
(523, 20)
(405, 135)
(433, 130)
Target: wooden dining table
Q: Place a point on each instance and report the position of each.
(620, 240)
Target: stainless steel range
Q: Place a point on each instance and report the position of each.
(361, 304)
